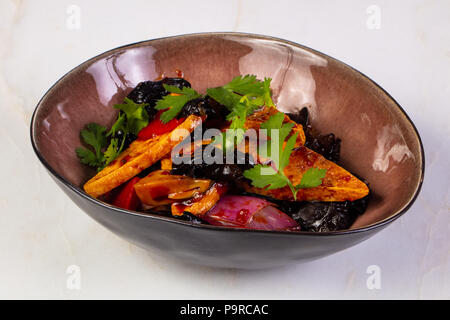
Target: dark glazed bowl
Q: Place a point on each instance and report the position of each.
(379, 141)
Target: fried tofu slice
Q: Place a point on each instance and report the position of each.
(137, 157)
(338, 184)
(186, 150)
(166, 164)
(255, 120)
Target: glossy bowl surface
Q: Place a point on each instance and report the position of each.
(380, 143)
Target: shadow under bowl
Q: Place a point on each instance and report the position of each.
(379, 141)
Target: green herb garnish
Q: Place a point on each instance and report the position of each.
(174, 103)
(94, 136)
(242, 96)
(273, 177)
(312, 178)
(113, 150)
(246, 89)
(132, 118)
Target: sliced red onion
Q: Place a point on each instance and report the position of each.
(249, 212)
(236, 210)
(270, 218)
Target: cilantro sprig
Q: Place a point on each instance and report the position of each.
(132, 119)
(93, 135)
(273, 177)
(242, 89)
(242, 96)
(175, 103)
(311, 178)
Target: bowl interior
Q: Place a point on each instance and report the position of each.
(379, 143)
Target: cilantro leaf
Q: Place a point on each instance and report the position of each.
(132, 119)
(93, 135)
(113, 150)
(118, 125)
(224, 96)
(278, 131)
(135, 114)
(252, 90)
(177, 90)
(274, 122)
(87, 157)
(174, 103)
(267, 95)
(237, 118)
(242, 96)
(311, 178)
(281, 129)
(268, 178)
(244, 85)
(284, 158)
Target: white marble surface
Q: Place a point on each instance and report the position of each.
(42, 232)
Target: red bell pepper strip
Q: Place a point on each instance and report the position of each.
(156, 127)
(127, 197)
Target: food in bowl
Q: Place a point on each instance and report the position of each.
(226, 158)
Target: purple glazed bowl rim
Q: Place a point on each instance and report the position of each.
(107, 206)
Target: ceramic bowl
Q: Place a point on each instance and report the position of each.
(379, 141)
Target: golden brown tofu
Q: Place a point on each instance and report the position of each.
(138, 156)
(255, 120)
(338, 184)
(166, 164)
